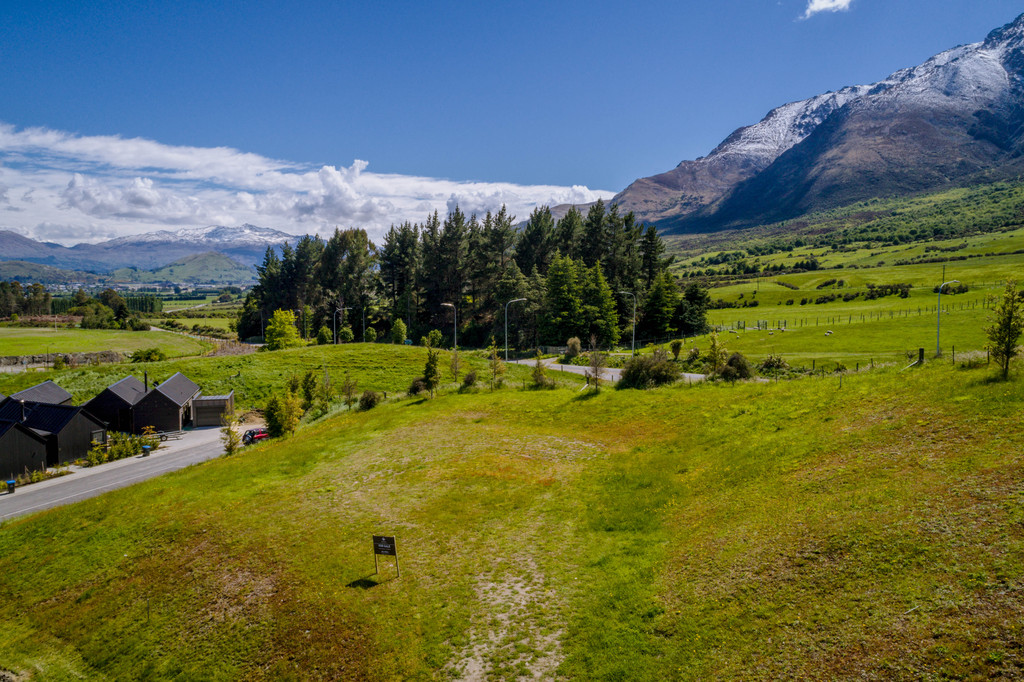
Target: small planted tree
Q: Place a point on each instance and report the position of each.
(370, 336)
(598, 362)
(323, 337)
(345, 334)
(540, 375)
(229, 437)
(431, 371)
(455, 364)
(1007, 323)
(716, 356)
(282, 413)
(433, 339)
(677, 347)
(573, 347)
(348, 389)
(496, 365)
(309, 384)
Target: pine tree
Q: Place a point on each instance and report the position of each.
(281, 331)
(569, 234)
(431, 372)
(497, 366)
(659, 307)
(601, 318)
(563, 303)
(536, 245)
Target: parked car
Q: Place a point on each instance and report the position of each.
(253, 435)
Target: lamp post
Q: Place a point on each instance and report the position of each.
(455, 327)
(629, 293)
(514, 300)
(938, 316)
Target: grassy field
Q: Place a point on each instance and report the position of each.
(256, 376)
(760, 531)
(36, 341)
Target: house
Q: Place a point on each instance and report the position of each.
(168, 407)
(209, 410)
(46, 392)
(21, 449)
(115, 405)
(69, 431)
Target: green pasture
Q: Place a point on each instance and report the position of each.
(254, 377)
(796, 530)
(41, 340)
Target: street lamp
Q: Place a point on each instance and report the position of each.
(455, 329)
(629, 293)
(938, 316)
(514, 300)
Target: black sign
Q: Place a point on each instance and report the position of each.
(384, 545)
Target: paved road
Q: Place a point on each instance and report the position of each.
(608, 374)
(195, 446)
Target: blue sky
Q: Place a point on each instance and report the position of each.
(520, 94)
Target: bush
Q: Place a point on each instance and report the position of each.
(148, 355)
(469, 381)
(433, 339)
(648, 371)
(773, 364)
(369, 400)
(324, 336)
(677, 347)
(736, 367)
(573, 348)
(370, 336)
(418, 386)
(345, 334)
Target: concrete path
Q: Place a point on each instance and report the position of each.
(194, 447)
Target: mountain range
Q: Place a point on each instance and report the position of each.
(245, 245)
(956, 119)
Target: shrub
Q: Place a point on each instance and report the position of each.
(58, 362)
(736, 367)
(648, 371)
(773, 364)
(324, 336)
(370, 335)
(573, 348)
(677, 347)
(469, 381)
(433, 339)
(369, 400)
(148, 355)
(540, 377)
(418, 386)
(345, 334)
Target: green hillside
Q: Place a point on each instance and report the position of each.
(203, 268)
(25, 272)
(762, 531)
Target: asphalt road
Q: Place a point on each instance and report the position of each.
(195, 446)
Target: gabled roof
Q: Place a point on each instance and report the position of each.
(179, 388)
(46, 392)
(128, 389)
(41, 416)
(6, 425)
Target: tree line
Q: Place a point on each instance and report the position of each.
(572, 273)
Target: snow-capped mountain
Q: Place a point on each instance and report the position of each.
(212, 235)
(245, 244)
(954, 118)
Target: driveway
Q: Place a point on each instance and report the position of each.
(607, 374)
(195, 446)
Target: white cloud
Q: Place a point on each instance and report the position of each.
(71, 188)
(815, 6)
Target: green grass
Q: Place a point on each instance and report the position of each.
(767, 531)
(36, 341)
(256, 376)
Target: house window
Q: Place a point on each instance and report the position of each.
(99, 436)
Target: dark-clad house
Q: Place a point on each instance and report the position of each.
(21, 450)
(209, 410)
(68, 431)
(168, 407)
(116, 404)
(46, 392)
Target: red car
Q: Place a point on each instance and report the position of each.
(253, 435)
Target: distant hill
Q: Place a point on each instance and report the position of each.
(245, 244)
(203, 268)
(25, 272)
(956, 119)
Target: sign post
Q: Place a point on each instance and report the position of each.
(384, 545)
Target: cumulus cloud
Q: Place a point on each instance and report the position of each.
(75, 188)
(815, 6)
